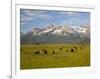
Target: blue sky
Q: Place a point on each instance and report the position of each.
(30, 18)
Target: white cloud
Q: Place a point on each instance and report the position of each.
(22, 23)
(25, 18)
(75, 21)
(71, 21)
(72, 13)
(33, 14)
(69, 13)
(30, 12)
(44, 16)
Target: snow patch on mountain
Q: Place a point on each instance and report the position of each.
(61, 30)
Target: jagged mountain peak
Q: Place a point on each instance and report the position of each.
(84, 29)
(57, 34)
(60, 30)
(54, 30)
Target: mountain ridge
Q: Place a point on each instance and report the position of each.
(57, 34)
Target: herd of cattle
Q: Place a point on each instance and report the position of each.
(45, 51)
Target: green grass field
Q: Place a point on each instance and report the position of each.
(61, 58)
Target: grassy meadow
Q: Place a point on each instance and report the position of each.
(58, 55)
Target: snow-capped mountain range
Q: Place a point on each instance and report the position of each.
(60, 30)
(59, 33)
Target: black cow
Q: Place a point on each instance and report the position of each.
(72, 50)
(45, 51)
(53, 52)
(60, 48)
(37, 43)
(21, 50)
(67, 50)
(38, 52)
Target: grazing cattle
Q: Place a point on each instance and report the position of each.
(75, 47)
(36, 53)
(67, 50)
(72, 50)
(37, 43)
(20, 49)
(45, 51)
(60, 48)
(53, 52)
(81, 48)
